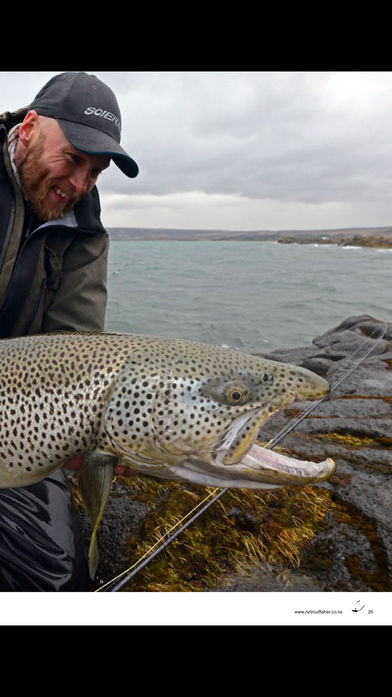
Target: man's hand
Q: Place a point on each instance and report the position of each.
(76, 463)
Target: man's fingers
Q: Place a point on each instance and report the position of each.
(76, 463)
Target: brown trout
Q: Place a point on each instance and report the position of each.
(171, 408)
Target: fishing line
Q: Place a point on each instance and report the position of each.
(137, 566)
(125, 576)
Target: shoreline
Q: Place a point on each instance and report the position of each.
(380, 238)
(355, 241)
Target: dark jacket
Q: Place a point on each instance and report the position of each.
(55, 278)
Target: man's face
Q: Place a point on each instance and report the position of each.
(55, 176)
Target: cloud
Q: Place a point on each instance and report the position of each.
(304, 137)
(201, 210)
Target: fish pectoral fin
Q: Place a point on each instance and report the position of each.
(95, 481)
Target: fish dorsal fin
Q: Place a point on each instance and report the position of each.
(95, 481)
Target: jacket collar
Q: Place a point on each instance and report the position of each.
(13, 136)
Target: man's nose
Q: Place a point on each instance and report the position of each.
(80, 180)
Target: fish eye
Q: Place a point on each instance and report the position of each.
(236, 394)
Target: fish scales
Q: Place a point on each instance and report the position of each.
(174, 408)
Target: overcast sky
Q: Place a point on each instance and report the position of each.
(244, 150)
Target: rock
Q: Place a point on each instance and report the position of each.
(124, 516)
(269, 580)
(353, 551)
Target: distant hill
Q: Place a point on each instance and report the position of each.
(363, 236)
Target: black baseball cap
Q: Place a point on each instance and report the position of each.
(88, 114)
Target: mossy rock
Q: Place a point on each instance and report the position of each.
(242, 528)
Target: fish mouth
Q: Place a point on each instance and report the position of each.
(240, 460)
(281, 470)
(260, 468)
(255, 466)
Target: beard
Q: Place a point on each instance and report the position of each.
(37, 185)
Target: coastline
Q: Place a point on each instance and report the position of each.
(377, 237)
(353, 241)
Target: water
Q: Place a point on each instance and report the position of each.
(254, 296)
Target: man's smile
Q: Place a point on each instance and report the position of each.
(62, 197)
(60, 193)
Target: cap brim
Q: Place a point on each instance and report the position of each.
(95, 142)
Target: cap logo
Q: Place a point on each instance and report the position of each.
(103, 114)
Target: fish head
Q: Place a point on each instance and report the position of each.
(191, 411)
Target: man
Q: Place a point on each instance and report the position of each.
(53, 262)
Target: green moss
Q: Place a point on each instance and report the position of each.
(242, 527)
(346, 439)
(350, 440)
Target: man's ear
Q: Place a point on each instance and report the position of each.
(29, 127)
